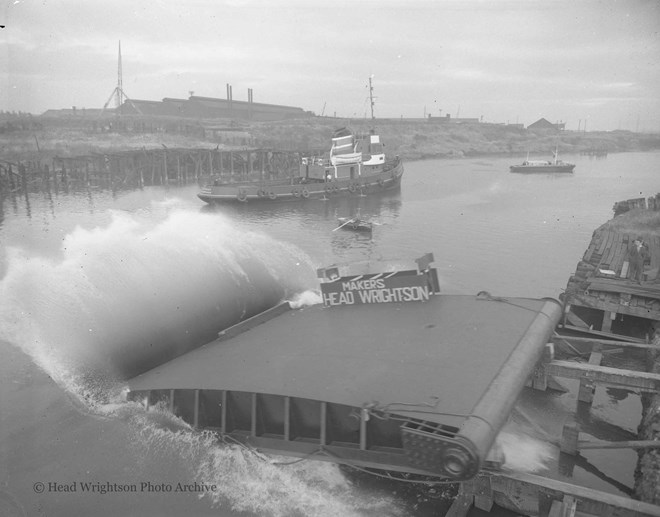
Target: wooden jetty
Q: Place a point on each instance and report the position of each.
(605, 312)
(535, 495)
(146, 167)
(601, 295)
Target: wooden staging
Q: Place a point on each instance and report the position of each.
(602, 278)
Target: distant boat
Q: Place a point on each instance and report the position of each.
(554, 165)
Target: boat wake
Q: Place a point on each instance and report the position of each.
(244, 480)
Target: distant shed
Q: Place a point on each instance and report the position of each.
(546, 124)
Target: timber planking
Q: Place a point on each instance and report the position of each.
(601, 278)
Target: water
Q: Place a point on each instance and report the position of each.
(96, 286)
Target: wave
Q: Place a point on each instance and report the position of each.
(118, 300)
(244, 480)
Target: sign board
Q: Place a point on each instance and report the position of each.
(400, 286)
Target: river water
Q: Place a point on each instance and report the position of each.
(96, 286)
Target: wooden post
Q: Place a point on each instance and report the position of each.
(540, 377)
(483, 495)
(608, 317)
(120, 168)
(569, 438)
(261, 172)
(463, 502)
(23, 172)
(364, 418)
(324, 421)
(287, 418)
(196, 410)
(587, 388)
(223, 413)
(253, 416)
(12, 185)
(165, 177)
(565, 508)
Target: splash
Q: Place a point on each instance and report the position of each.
(120, 299)
(523, 453)
(306, 299)
(246, 481)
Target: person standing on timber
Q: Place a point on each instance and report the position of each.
(637, 256)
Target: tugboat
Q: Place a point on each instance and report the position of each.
(355, 165)
(554, 165)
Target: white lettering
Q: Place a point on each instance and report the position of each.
(377, 283)
(346, 298)
(329, 298)
(395, 294)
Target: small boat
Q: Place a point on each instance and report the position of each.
(355, 166)
(554, 165)
(354, 224)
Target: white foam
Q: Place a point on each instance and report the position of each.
(306, 299)
(524, 453)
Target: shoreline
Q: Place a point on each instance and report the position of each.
(42, 138)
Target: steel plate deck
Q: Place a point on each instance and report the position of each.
(429, 360)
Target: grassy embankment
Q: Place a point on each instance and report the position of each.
(410, 140)
(638, 221)
(418, 140)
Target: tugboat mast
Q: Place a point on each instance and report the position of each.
(371, 100)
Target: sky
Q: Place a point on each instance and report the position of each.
(588, 63)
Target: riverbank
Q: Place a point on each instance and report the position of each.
(44, 139)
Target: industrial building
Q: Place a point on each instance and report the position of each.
(213, 108)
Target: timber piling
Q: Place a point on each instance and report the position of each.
(146, 167)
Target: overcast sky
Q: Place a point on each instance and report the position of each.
(504, 60)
